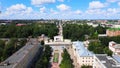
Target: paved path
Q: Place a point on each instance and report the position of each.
(55, 65)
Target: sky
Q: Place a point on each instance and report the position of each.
(60, 9)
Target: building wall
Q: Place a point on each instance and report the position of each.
(85, 60)
(112, 33)
(111, 47)
(28, 57)
(82, 60)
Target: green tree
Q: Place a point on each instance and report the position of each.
(86, 66)
(66, 61)
(107, 51)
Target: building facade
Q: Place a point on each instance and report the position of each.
(81, 54)
(114, 47)
(23, 57)
(113, 32)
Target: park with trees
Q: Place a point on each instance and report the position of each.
(78, 31)
(34, 30)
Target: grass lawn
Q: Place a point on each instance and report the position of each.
(55, 57)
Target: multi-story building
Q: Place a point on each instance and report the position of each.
(104, 61)
(81, 54)
(113, 32)
(23, 57)
(114, 47)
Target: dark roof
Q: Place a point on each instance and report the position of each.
(108, 61)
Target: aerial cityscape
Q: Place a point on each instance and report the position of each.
(59, 34)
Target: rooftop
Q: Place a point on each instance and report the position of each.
(109, 62)
(114, 44)
(116, 57)
(18, 56)
(81, 50)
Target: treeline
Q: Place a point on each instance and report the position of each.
(34, 30)
(105, 40)
(43, 62)
(98, 48)
(101, 46)
(86, 66)
(78, 31)
(66, 61)
(7, 48)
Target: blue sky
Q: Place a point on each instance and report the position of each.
(60, 9)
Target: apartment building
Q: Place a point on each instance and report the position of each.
(104, 61)
(114, 47)
(81, 54)
(23, 57)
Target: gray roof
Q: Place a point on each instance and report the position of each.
(18, 56)
(116, 57)
(109, 62)
(81, 50)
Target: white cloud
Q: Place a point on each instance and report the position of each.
(63, 7)
(18, 9)
(43, 9)
(119, 3)
(112, 1)
(40, 2)
(112, 11)
(95, 11)
(61, 0)
(78, 12)
(96, 5)
(103, 12)
(53, 11)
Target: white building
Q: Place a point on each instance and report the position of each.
(104, 61)
(116, 26)
(82, 55)
(114, 47)
(92, 24)
(85, 57)
(58, 41)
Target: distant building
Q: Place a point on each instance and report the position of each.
(20, 24)
(42, 38)
(102, 35)
(92, 24)
(113, 32)
(116, 26)
(114, 47)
